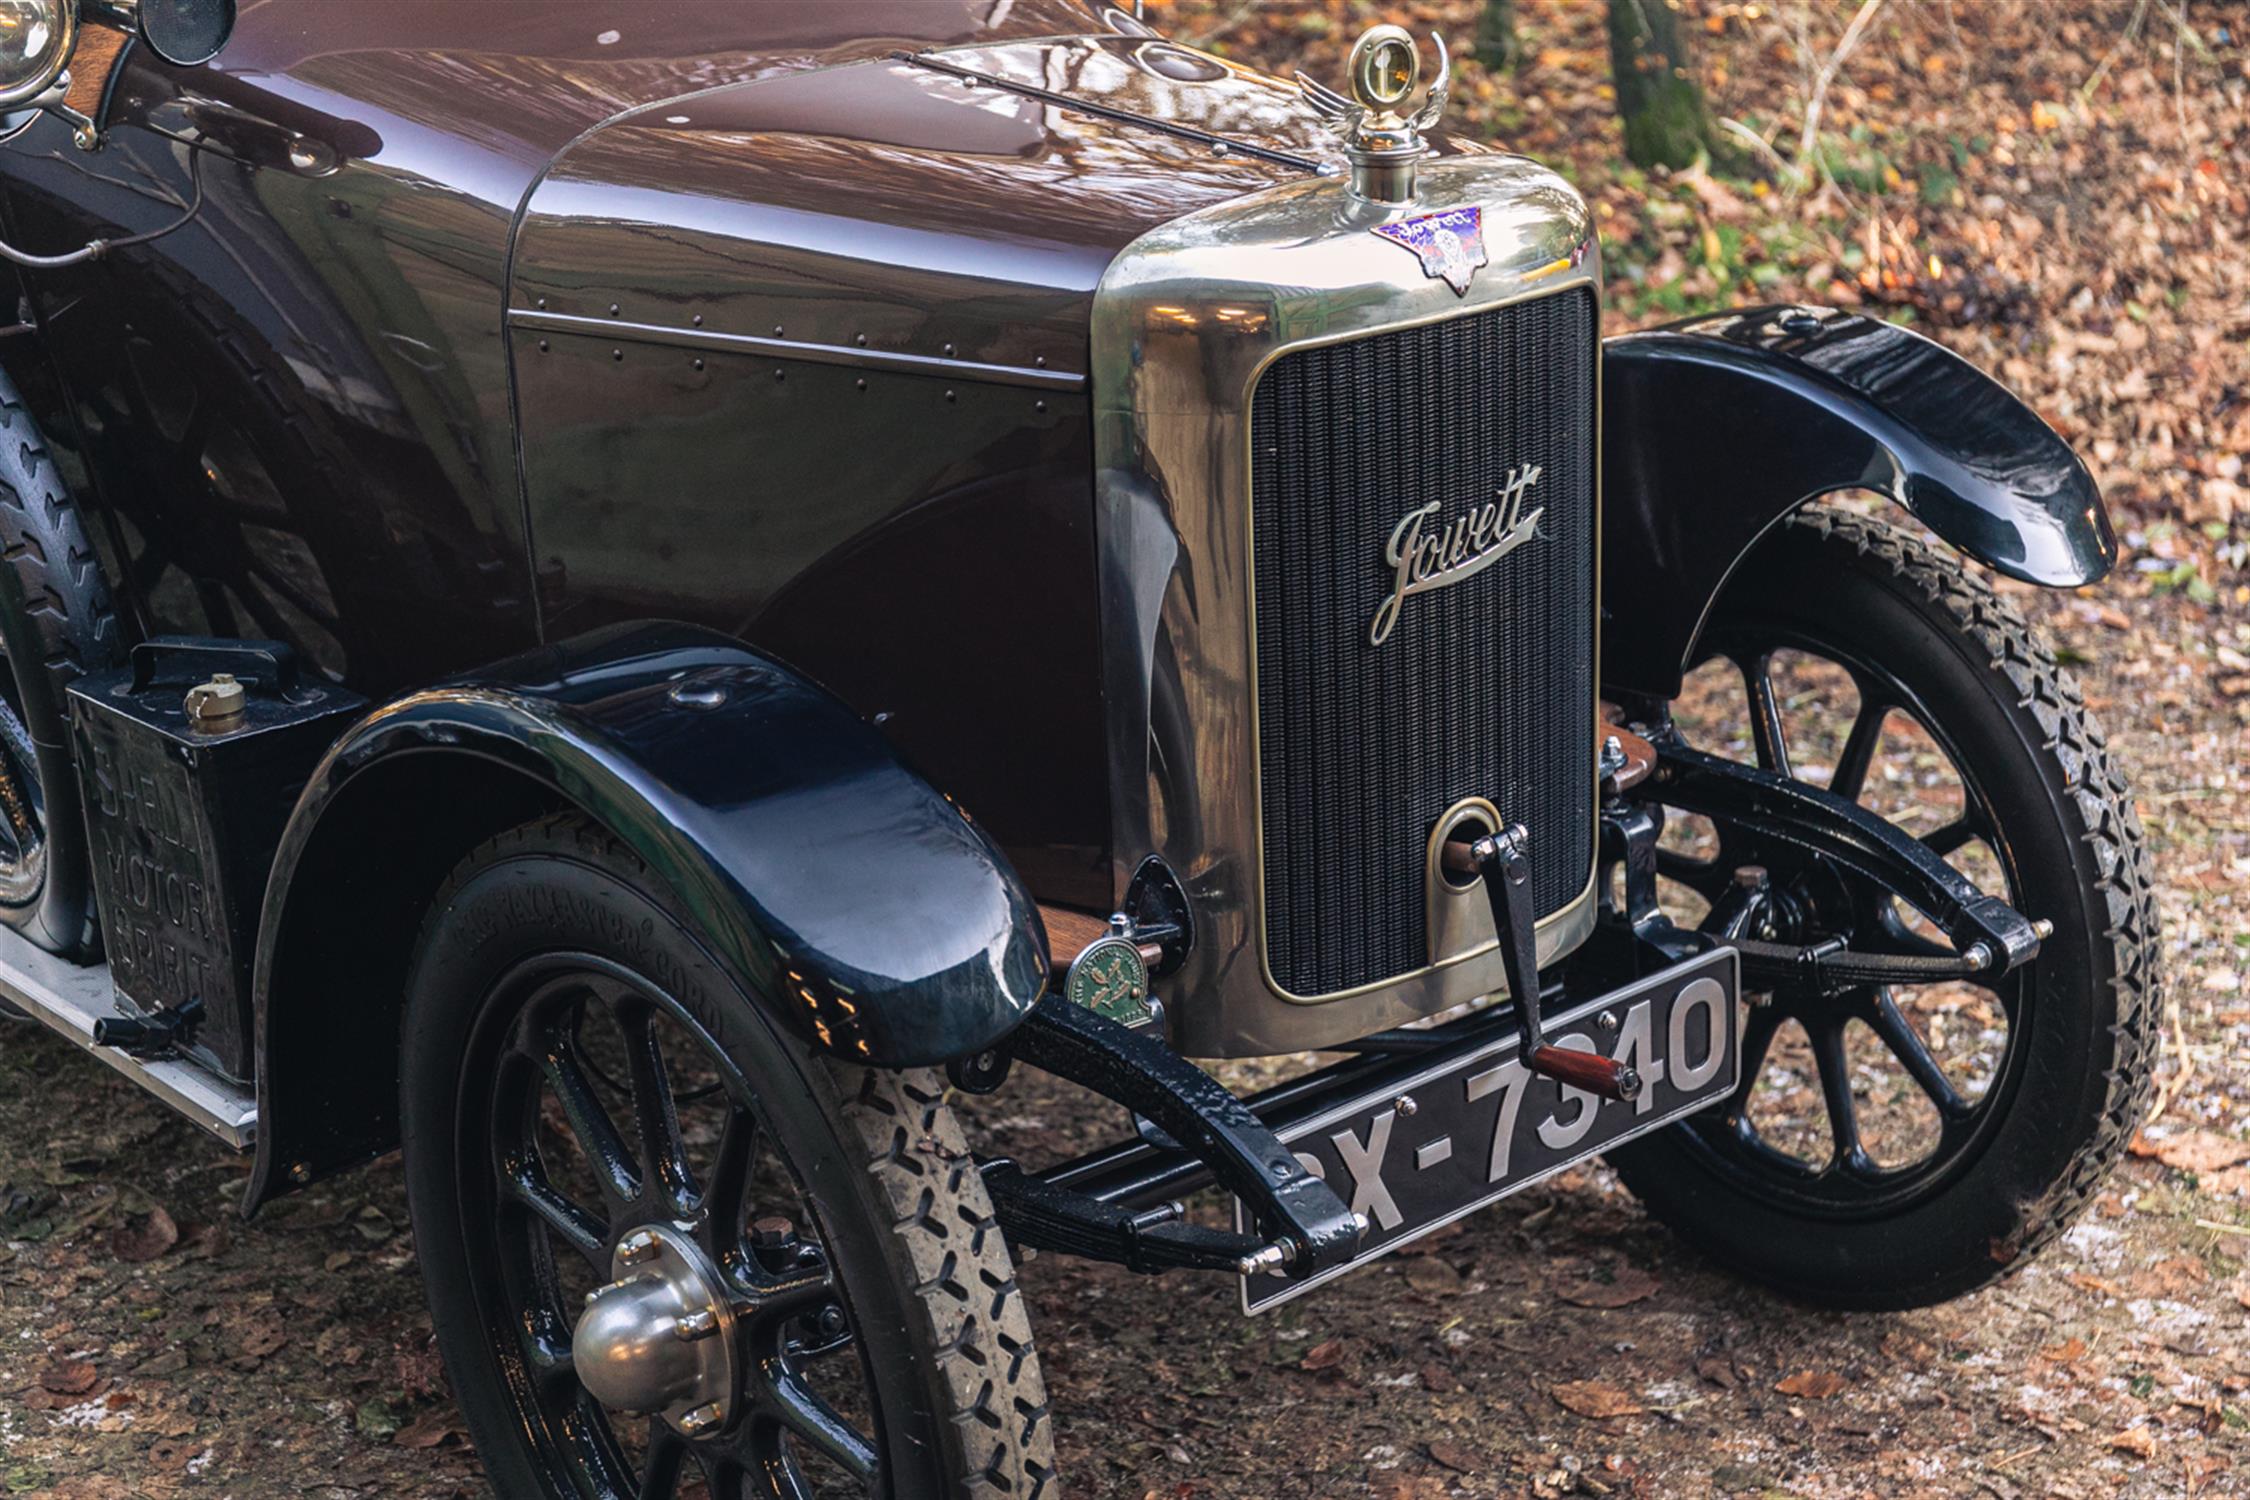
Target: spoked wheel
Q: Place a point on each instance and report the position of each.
(23, 804)
(684, 1271)
(672, 1253)
(1766, 889)
(1893, 1145)
(55, 624)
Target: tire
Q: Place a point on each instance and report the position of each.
(905, 1232)
(2075, 1077)
(56, 624)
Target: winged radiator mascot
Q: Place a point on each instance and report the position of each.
(1385, 67)
(1385, 144)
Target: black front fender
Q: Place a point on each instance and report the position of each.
(851, 899)
(840, 887)
(844, 893)
(1717, 427)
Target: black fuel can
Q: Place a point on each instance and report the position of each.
(190, 760)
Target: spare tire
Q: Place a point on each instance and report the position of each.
(56, 624)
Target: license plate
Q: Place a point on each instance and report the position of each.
(1469, 1132)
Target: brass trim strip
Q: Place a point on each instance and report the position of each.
(627, 332)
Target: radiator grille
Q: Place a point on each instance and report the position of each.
(1484, 688)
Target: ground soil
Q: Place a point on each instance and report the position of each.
(2058, 191)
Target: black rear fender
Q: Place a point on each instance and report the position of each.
(1717, 427)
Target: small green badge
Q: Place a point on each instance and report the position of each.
(1110, 980)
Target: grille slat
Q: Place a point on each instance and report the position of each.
(1484, 688)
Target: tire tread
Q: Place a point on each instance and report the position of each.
(913, 1149)
(2111, 826)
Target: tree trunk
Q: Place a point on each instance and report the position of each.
(1496, 35)
(1658, 97)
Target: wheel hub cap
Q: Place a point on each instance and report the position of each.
(659, 1339)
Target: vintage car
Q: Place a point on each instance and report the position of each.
(639, 599)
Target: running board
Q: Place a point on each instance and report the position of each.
(69, 998)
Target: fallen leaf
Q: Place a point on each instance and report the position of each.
(1591, 1398)
(69, 1377)
(145, 1237)
(1411, 1487)
(170, 1362)
(1455, 1457)
(426, 1431)
(170, 1456)
(1723, 203)
(2194, 1150)
(263, 1338)
(1812, 1385)
(1628, 1284)
(1433, 1276)
(2175, 1276)
(2138, 1441)
(1907, 1349)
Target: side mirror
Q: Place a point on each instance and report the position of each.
(182, 32)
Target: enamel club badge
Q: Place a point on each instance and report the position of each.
(1449, 243)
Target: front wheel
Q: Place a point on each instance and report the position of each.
(1892, 1146)
(669, 1250)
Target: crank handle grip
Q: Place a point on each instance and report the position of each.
(1603, 1077)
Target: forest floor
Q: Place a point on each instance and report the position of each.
(2049, 188)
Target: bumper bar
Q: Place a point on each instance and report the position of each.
(1114, 1204)
(1302, 1225)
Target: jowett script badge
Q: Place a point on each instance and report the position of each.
(1425, 557)
(1449, 243)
